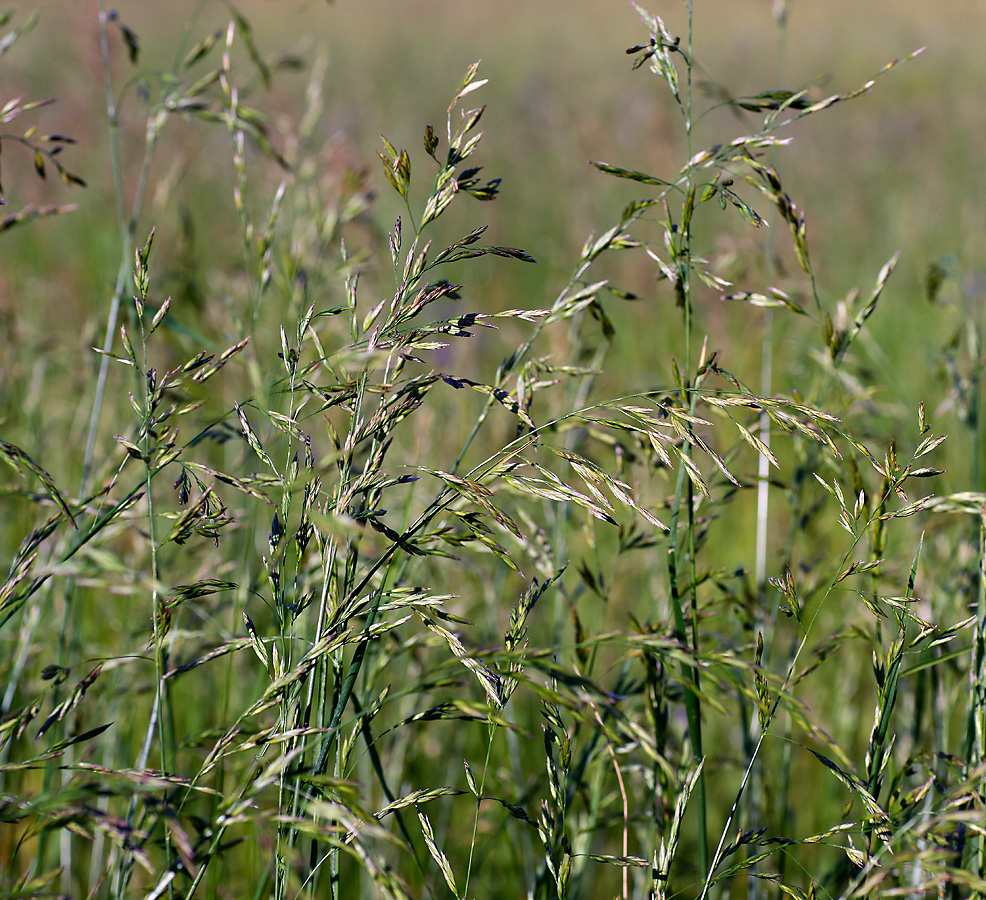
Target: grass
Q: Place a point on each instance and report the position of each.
(370, 558)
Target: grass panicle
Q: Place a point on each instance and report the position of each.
(372, 556)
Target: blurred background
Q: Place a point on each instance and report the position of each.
(897, 169)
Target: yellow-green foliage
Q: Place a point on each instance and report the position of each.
(452, 515)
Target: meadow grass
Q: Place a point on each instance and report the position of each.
(375, 554)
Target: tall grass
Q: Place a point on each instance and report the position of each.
(321, 602)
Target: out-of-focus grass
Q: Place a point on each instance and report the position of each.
(896, 171)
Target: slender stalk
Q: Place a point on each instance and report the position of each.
(479, 802)
(128, 229)
(975, 738)
(690, 400)
(755, 886)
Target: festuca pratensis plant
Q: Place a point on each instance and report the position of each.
(350, 655)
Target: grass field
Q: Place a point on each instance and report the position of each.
(669, 584)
